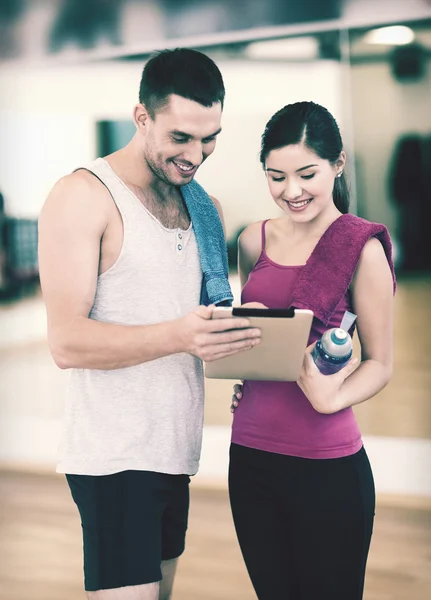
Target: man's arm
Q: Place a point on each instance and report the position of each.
(71, 226)
(220, 212)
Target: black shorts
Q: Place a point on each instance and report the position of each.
(131, 521)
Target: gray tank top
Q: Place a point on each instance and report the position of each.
(150, 416)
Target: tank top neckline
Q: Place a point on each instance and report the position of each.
(136, 199)
(265, 256)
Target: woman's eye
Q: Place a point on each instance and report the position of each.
(277, 179)
(308, 176)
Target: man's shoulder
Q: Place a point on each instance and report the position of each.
(81, 185)
(80, 180)
(216, 202)
(77, 195)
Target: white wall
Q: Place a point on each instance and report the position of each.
(47, 120)
(375, 11)
(254, 93)
(48, 115)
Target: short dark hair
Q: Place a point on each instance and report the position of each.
(314, 125)
(184, 72)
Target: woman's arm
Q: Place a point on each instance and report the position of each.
(372, 294)
(373, 302)
(249, 249)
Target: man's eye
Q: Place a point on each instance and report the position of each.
(208, 140)
(180, 140)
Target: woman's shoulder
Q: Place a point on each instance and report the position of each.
(360, 223)
(372, 252)
(251, 234)
(373, 244)
(250, 242)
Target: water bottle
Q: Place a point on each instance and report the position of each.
(334, 349)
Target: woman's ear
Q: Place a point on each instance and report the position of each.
(341, 162)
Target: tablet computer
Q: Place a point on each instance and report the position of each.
(280, 354)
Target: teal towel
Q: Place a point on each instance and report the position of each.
(211, 244)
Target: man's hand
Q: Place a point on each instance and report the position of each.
(210, 339)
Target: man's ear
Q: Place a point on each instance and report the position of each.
(140, 117)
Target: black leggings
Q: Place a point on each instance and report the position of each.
(304, 525)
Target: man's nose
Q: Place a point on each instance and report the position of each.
(194, 154)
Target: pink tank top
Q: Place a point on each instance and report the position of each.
(276, 416)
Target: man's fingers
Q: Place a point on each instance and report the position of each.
(232, 323)
(233, 336)
(205, 312)
(223, 350)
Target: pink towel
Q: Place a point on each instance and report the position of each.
(329, 271)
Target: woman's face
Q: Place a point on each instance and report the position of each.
(300, 182)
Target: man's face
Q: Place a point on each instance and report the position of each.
(179, 138)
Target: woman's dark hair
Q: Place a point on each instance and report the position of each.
(314, 126)
(184, 72)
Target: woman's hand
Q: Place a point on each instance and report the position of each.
(237, 395)
(253, 305)
(322, 391)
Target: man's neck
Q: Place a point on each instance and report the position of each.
(164, 201)
(134, 171)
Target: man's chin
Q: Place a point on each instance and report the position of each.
(181, 180)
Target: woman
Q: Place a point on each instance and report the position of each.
(301, 487)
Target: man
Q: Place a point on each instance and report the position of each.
(121, 272)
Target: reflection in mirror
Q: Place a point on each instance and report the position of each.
(391, 93)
